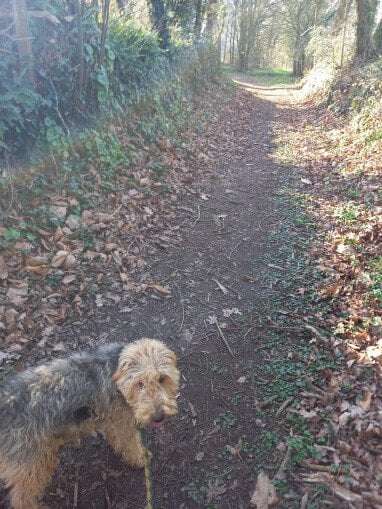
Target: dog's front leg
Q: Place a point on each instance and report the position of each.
(123, 436)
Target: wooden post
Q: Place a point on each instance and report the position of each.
(23, 39)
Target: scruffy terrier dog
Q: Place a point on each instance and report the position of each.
(112, 389)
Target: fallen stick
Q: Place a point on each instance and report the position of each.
(283, 406)
(281, 471)
(324, 468)
(224, 339)
(304, 501)
(266, 402)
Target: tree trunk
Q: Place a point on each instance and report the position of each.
(298, 62)
(225, 44)
(366, 10)
(211, 24)
(80, 48)
(159, 21)
(23, 39)
(198, 20)
(378, 37)
(212, 31)
(105, 26)
(233, 42)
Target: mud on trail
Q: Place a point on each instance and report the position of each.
(226, 277)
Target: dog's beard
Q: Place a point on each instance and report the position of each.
(146, 410)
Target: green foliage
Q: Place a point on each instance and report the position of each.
(106, 146)
(133, 72)
(268, 76)
(11, 234)
(227, 420)
(269, 439)
(348, 214)
(302, 447)
(5, 373)
(376, 279)
(20, 109)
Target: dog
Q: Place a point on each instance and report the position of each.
(114, 389)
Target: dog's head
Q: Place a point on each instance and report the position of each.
(148, 379)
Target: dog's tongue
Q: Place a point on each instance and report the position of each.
(157, 424)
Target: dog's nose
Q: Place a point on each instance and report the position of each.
(158, 416)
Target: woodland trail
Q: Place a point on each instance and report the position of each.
(225, 276)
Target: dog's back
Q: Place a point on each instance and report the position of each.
(51, 397)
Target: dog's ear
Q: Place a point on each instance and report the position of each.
(122, 369)
(172, 357)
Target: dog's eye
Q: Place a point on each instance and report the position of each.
(162, 379)
(140, 385)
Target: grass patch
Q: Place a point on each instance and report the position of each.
(269, 76)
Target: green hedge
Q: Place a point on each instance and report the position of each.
(134, 71)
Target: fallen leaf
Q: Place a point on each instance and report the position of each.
(192, 410)
(99, 300)
(365, 402)
(70, 261)
(235, 451)
(250, 279)
(16, 295)
(59, 258)
(3, 268)
(345, 249)
(228, 312)
(264, 495)
(221, 287)
(40, 270)
(58, 211)
(330, 291)
(68, 279)
(59, 347)
(159, 288)
(15, 337)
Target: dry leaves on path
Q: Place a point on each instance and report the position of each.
(343, 200)
(264, 495)
(66, 258)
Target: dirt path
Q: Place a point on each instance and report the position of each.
(278, 94)
(226, 273)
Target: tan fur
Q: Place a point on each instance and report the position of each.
(143, 386)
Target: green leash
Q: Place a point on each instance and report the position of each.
(148, 478)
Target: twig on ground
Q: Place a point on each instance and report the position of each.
(281, 471)
(205, 303)
(283, 406)
(224, 339)
(266, 402)
(181, 325)
(198, 217)
(239, 296)
(248, 331)
(234, 249)
(304, 501)
(324, 468)
(75, 495)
